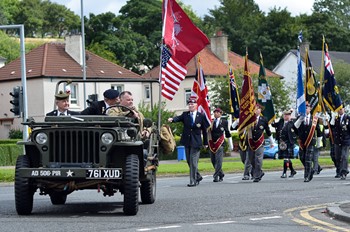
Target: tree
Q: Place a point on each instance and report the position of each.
(342, 73)
(31, 15)
(238, 19)
(338, 10)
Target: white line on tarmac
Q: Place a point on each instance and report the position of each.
(213, 223)
(159, 228)
(264, 218)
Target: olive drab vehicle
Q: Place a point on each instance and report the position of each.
(107, 153)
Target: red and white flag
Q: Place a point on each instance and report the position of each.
(183, 41)
(200, 91)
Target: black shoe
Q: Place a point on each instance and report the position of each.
(306, 180)
(199, 180)
(312, 174)
(245, 178)
(261, 176)
(284, 175)
(216, 180)
(191, 185)
(319, 170)
(343, 177)
(221, 178)
(293, 173)
(337, 176)
(256, 180)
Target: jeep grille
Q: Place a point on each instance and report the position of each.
(78, 146)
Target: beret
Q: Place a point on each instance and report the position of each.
(61, 95)
(111, 94)
(192, 100)
(218, 110)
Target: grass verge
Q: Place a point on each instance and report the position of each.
(230, 165)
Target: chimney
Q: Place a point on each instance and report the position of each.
(73, 47)
(303, 46)
(218, 45)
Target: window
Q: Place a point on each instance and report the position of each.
(187, 95)
(147, 95)
(120, 88)
(73, 94)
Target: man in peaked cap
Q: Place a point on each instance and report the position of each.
(62, 103)
(216, 141)
(195, 124)
(111, 97)
(286, 138)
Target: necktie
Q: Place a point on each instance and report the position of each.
(192, 120)
(62, 114)
(216, 122)
(307, 121)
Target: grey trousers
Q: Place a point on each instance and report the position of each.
(192, 157)
(216, 160)
(315, 159)
(247, 165)
(344, 157)
(256, 160)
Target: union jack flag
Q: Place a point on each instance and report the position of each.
(234, 97)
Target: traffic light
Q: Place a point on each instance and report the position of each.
(16, 101)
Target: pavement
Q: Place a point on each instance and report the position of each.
(340, 211)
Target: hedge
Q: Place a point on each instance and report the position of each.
(9, 154)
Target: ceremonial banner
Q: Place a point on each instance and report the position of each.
(247, 107)
(234, 97)
(311, 86)
(264, 94)
(330, 89)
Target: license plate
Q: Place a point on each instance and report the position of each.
(110, 173)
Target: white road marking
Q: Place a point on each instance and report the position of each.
(158, 228)
(264, 218)
(213, 223)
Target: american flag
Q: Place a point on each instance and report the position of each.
(173, 72)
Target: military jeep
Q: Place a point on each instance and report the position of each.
(105, 153)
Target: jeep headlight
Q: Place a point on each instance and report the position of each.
(107, 138)
(41, 138)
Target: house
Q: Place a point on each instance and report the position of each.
(53, 62)
(288, 69)
(214, 60)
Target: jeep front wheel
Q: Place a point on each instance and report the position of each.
(148, 189)
(23, 191)
(131, 185)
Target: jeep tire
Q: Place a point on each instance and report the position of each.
(148, 189)
(131, 185)
(23, 192)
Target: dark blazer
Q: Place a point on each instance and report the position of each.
(192, 136)
(304, 130)
(69, 112)
(285, 132)
(342, 131)
(216, 132)
(96, 108)
(258, 128)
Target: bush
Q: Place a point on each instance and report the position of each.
(15, 134)
(9, 154)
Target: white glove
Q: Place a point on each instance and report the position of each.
(271, 140)
(234, 124)
(327, 117)
(334, 115)
(319, 142)
(230, 144)
(299, 121)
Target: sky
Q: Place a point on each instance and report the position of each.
(200, 7)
